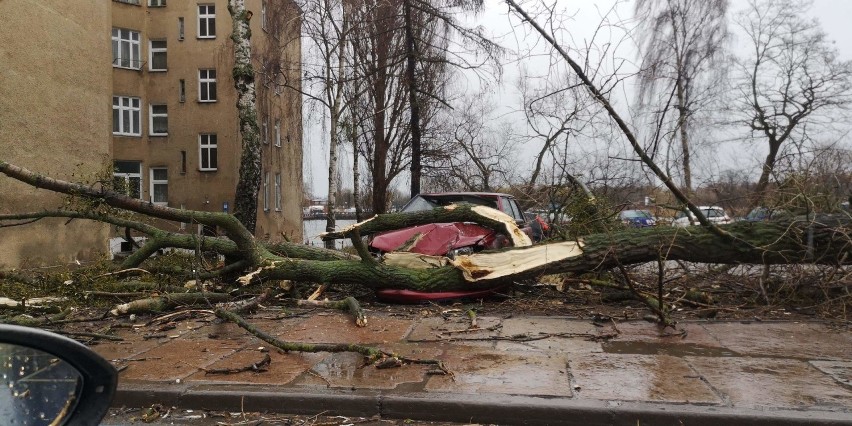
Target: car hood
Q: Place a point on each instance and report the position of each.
(434, 239)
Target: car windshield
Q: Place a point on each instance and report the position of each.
(428, 202)
(635, 214)
(712, 212)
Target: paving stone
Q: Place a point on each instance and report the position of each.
(340, 328)
(840, 371)
(659, 378)
(644, 338)
(479, 370)
(282, 369)
(177, 359)
(762, 383)
(538, 326)
(347, 370)
(132, 346)
(457, 329)
(803, 340)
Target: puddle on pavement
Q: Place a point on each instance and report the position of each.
(678, 350)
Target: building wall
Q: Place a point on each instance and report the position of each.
(55, 78)
(277, 52)
(188, 186)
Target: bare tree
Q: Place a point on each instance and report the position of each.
(791, 80)
(682, 61)
(326, 24)
(431, 28)
(467, 152)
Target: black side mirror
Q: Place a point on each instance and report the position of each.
(48, 379)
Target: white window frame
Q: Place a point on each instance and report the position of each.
(264, 130)
(152, 115)
(131, 38)
(156, 3)
(208, 142)
(263, 16)
(204, 79)
(266, 192)
(132, 106)
(180, 28)
(154, 50)
(153, 182)
(278, 132)
(278, 192)
(127, 176)
(205, 19)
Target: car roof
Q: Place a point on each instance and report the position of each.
(487, 194)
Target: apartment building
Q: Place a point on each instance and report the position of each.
(144, 87)
(175, 125)
(55, 78)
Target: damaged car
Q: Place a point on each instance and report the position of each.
(446, 239)
(454, 238)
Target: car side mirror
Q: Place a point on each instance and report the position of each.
(48, 379)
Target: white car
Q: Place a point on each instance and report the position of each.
(714, 214)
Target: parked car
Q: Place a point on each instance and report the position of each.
(762, 214)
(450, 239)
(446, 239)
(637, 218)
(714, 214)
(539, 227)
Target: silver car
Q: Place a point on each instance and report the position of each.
(714, 214)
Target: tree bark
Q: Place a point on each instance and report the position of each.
(822, 240)
(248, 185)
(411, 62)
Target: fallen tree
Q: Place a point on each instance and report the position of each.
(819, 240)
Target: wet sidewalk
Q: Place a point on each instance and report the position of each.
(519, 370)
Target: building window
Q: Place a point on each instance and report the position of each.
(183, 162)
(159, 120)
(160, 186)
(125, 49)
(157, 55)
(264, 130)
(266, 192)
(180, 28)
(126, 116)
(182, 90)
(278, 192)
(136, 2)
(206, 21)
(207, 85)
(207, 151)
(277, 132)
(263, 15)
(156, 3)
(127, 178)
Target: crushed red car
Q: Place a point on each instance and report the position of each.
(446, 239)
(449, 239)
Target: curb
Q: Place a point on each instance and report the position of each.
(486, 408)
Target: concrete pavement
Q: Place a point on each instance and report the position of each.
(518, 370)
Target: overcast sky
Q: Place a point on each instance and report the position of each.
(834, 15)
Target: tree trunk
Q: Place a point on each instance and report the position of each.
(248, 185)
(768, 166)
(823, 240)
(411, 61)
(333, 177)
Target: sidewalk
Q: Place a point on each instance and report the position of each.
(520, 370)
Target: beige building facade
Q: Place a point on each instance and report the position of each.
(167, 102)
(55, 78)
